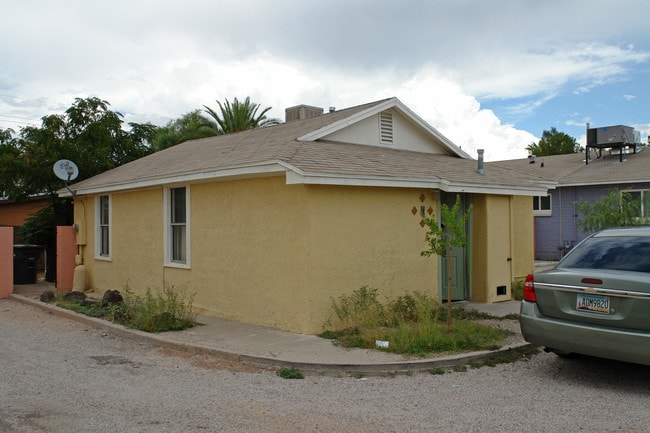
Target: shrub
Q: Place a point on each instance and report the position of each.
(360, 309)
(290, 373)
(169, 309)
(413, 308)
(518, 290)
(411, 323)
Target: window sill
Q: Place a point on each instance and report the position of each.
(177, 265)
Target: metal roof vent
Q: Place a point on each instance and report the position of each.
(386, 127)
(480, 169)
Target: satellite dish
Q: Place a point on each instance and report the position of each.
(66, 170)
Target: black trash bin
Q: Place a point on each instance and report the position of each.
(26, 263)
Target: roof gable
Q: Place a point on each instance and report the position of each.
(390, 124)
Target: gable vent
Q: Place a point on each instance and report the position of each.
(386, 128)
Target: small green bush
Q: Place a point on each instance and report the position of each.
(169, 309)
(413, 308)
(518, 290)
(360, 309)
(290, 373)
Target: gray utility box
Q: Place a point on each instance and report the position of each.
(610, 136)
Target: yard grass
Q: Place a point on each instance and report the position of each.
(413, 324)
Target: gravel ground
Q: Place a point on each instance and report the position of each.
(57, 375)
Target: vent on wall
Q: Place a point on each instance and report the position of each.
(386, 127)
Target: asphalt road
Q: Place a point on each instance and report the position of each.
(57, 375)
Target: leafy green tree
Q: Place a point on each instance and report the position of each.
(554, 142)
(442, 238)
(6, 135)
(240, 116)
(8, 161)
(190, 126)
(88, 133)
(616, 209)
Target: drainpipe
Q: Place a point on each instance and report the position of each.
(480, 162)
(559, 193)
(587, 145)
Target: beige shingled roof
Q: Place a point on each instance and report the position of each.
(277, 150)
(571, 169)
(447, 172)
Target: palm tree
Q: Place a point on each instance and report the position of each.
(240, 116)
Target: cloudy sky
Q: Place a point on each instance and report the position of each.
(486, 74)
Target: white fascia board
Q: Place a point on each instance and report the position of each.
(498, 190)
(294, 177)
(272, 168)
(598, 183)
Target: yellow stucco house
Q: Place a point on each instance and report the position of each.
(267, 226)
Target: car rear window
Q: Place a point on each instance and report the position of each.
(625, 253)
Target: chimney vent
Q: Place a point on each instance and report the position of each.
(301, 112)
(480, 162)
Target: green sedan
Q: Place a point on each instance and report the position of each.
(596, 301)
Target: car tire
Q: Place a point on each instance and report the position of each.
(560, 353)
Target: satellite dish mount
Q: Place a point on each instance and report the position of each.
(66, 170)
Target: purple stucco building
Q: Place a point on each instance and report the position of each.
(556, 216)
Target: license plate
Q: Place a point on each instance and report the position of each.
(593, 303)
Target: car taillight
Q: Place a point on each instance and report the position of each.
(529, 289)
(592, 281)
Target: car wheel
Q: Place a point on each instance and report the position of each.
(560, 353)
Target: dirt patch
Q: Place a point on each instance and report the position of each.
(211, 362)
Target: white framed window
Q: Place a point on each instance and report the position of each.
(177, 227)
(103, 224)
(542, 205)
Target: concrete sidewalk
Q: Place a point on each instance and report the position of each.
(271, 348)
